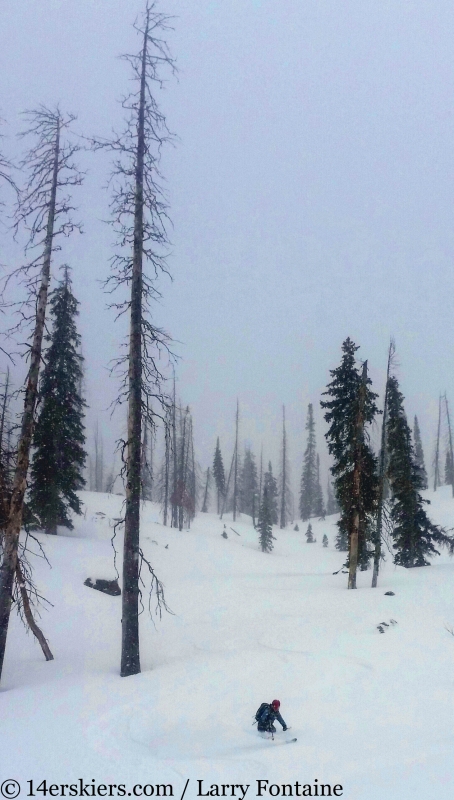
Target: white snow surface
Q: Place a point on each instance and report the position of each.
(372, 712)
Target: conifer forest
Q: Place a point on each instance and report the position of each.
(226, 277)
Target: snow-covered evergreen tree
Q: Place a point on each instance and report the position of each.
(351, 407)
(319, 506)
(270, 484)
(308, 493)
(415, 536)
(265, 522)
(309, 534)
(325, 540)
(248, 485)
(59, 439)
(419, 454)
(219, 475)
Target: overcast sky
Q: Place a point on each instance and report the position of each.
(311, 193)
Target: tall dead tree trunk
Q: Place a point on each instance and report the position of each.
(51, 170)
(437, 481)
(450, 443)
(356, 504)
(166, 468)
(130, 654)
(175, 458)
(235, 475)
(381, 474)
(205, 494)
(283, 515)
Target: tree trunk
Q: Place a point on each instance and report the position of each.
(14, 524)
(283, 520)
(437, 450)
(381, 476)
(35, 629)
(235, 476)
(450, 444)
(175, 458)
(130, 654)
(355, 520)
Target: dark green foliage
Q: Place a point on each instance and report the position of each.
(59, 440)
(309, 534)
(248, 485)
(319, 506)
(342, 415)
(325, 540)
(265, 522)
(414, 534)
(270, 484)
(219, 474)
(419, 454)
(308, 493)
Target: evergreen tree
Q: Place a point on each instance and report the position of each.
(325, 540)
(419, 454)
(248, 485)
(265, 522)
(219, 475)
(308, 494)
(413, 533)
(309, 535)
(332, 506)
(59, 439)
(319, 506)
(270, 484)
(351, 407)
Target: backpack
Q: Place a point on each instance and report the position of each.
(260, 711)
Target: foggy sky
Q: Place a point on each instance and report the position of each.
(310, 192)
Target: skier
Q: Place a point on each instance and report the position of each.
(266, 716)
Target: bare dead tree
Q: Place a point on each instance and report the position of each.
(44, 209)
(235, 472)
(437, 479)
(139, 216)
(448, 419)
(381, 472)
(207, 491)
(6, 174)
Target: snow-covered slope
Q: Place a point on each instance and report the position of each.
(372, 712)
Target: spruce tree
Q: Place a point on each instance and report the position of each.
(270, 484)
(219, 474)
(308, 493)
(351, 407)
(59, 438)
(319, 505)
(325, 540)
(248, 485)
(265, 522)
(309, 534)
(415, 536)
(419, 454)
